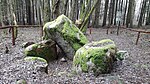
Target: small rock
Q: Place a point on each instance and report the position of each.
(21, 81)
(26, 44)
(63, 60)
(62, 73)
(34, 72)
(121, 55)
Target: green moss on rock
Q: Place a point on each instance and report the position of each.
(35, 58)
(73, 35)
(65, 34)
(96, 57)
(44, 49)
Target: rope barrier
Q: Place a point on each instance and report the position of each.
(135, 30)
(20, 26)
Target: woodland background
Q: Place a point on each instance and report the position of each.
(107, 12)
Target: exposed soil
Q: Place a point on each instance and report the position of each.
(135, 69)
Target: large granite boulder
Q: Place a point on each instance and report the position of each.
(67, 35)
(96, 57)
(45, 49)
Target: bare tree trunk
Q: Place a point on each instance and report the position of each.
(130, 13)
(65, 7)
(32, 12)
(148, 19)
(28, 11)
(81, 8)
(74, 11)
(56, 11)
(49, 11)
(85, 21)
(0, 13)
(46, 11)
(69, 11)
(143, 10)
(37, 12)
(13, 18)
(97, 13)
(112, 13)
(105, 13)
(125, 12)
(41, 13)
(148, 15)
(23, 14)
(116, 7)
(90, 20)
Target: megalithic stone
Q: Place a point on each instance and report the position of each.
(66, 34)
(96, 57)
(45, 49)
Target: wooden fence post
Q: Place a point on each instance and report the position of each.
(13, 36)
(118, 28)
(90, 30)
(107, 30)
(41, 30)
(138, 38)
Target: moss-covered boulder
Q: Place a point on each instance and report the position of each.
(97, 57)
(67, 35)
(45, 49)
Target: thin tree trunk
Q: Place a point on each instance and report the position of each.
(56, 11)
(110, 12)
(37, 12)
(143, 10)
(112, 15)
(41, 13)
(23, 14)
(69, 11)
(97, 13)
(105, 13)
(28, 11)
(148, 15)
(130, 13)
(0, 13)
(125, 12)
(32, 12)
(116, 7)
(49, 11)
(65, 7)
(83, 28)
(74, 11)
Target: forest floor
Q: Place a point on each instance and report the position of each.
(135, 69)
